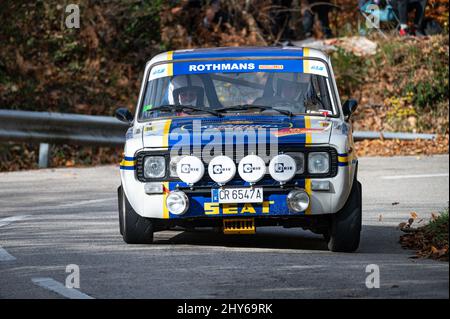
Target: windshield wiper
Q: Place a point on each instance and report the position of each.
(180, 108)
(243, 107)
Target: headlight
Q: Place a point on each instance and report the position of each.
(299, 159)
(298, 201)
(318, 162)
(173, 165)
(282, 168)
(190, 169)
(177, 202)
(221, 169)
(252, 168)
(154, 167)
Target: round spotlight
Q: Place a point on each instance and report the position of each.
(221, 169)
(298, 201)
(190, 169)
(177, 202)
(252, 168)
(282, 168)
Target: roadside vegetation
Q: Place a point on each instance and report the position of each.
(97, 68)
(403, 87)
(430, 240)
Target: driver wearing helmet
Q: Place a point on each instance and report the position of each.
(186, 90)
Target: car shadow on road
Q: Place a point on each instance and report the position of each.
(374, 239)
(270, 237)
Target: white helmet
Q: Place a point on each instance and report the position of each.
(186, 90)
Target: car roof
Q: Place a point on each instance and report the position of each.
(239, 52)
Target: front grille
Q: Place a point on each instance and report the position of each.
(237, 153)
(241, 226)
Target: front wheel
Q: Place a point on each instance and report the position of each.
(134, 228)
(345, 226)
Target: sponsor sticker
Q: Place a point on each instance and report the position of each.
(296, 130)
(271, 67)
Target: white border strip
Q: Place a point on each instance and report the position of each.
(59, 288)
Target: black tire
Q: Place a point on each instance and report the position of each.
(134, 228)
(345, 226)
(120, 204)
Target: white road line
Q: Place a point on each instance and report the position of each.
(9, 220)
(59, 288)
(415, 176)
(60, 206)
(5, 256)
(285, 289)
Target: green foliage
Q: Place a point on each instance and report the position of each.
(350, 71)
(426, 70)
(141, 23)
(438, 228)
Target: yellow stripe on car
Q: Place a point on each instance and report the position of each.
(165, 193)
(308, 191)
(305, 61)
(166, 133)
(170, 65)
(127, 163)
(308, 135)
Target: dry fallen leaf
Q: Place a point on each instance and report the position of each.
(443, 251)
(402, 225)
(413, 215)
(69, 163)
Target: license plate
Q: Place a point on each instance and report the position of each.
(237, 195)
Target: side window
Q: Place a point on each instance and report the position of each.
(157, 91)
(319, 89)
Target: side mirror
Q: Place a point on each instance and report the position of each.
(124, 115)
(349, 107)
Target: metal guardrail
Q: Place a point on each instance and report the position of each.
(371, 135)
(60, 128)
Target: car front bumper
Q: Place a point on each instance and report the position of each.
(274, 201)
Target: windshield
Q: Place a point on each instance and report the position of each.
(237, 92)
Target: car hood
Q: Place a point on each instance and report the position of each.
(195, 131)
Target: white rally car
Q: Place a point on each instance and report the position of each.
(240, 138)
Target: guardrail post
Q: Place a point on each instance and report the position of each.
(43, 155)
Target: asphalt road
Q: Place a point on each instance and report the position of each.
(56, 217)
